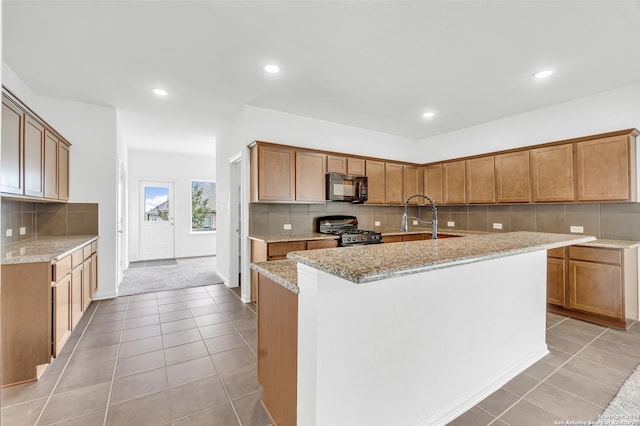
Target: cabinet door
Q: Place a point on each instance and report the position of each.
(50, 165)
(480, 180)
(61, 313)
(310, 176)
(321, 244)
(94, 274)
(433, 182)
(552, 173)
(392, 239)
(375, 182)
(413, 237)
(512, 177)
(393, 183)
(355, 166)
(555, 281)
(33, 157)
(87, 274)
(454, 182)
(336, 164)
(11, 171)
(276, 173)
(63, 172)
(76, 296)
(411, 184)
(596, 288)
(602, 169)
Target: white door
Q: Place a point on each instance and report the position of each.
(157, 220)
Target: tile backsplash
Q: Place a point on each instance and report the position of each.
(620, 221)
(47, 219)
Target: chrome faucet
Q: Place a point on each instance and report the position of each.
(434, 216)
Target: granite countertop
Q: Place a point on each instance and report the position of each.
(292, 237)
(283, 272)
(617, 244)
(368, 263)
(43, 249)
(454, 232)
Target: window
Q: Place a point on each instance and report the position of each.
(156, 204)
(203, 206)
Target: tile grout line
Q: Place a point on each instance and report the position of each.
(549, 375)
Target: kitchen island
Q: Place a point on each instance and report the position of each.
(411, 333)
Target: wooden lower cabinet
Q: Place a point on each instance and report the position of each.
(76, 296)
(278, 351)
(594, 284)
(61, 314)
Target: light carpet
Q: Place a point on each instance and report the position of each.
(624, 409)
(189, 272)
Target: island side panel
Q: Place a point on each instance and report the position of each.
(417, 349)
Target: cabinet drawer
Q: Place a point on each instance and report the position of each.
(392, 239)
(86, 251)
(321, 244)
(556, 252)
(594, 254)
(414, 237)
(60, 269)
(281, 249)
(76, 258)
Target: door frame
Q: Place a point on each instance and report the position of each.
(141, 207)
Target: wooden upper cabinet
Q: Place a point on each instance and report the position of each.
(63, 171)
(375, 173)
(453, 177)
(310, 176)
(336, 164)
(433, 182)
(412, 184)
(11, 157)
(394, 178)
(512, 177)
(604, 169)
(274, 179)
(480, 180)
(552, 173)
(33, 157)
(50, 165)
(355, 166)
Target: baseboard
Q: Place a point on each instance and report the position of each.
(471, 399)
(105, 295)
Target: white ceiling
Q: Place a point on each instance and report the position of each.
(377, 65)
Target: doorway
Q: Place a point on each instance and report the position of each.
(157, 231)
(235, 210)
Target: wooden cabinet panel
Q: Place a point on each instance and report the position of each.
(552, 173)
(596, 254)
(321, 244)
(480, 180)
(393, 183)
(63, 172)
(94, 274)
(512, 177)
(603, 169)
(411, 184)
(310, 176)
(413, 237)
(336, 164)
(11, 171)
(355, 166)
(61, 313)
(392, 238)
(61, 268)
(50, 165)
(276, 174)
(87, 274)
(376, 181)
(280, 250)
(33, 157)
(596, 288)
(453, 174)
(556, 281)
(76, 296)
(433, 182)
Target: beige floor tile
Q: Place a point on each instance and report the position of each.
(223, 343)
(136, 347)
(476, 416)
(251, 411)
(172, 307)
(104, 327)
(189, 371)
(617, 348)
(181, 337)
(234, 358)
(143, 296)
(23, 414)
(562, 345)
(141, 321)
(220, 415)
(597, 372)
(170, 300)
(138, 304)
(29, 391)
(139, 363)
(521, 384)
(179, 325)
(624, 337)
(96, 340)
(540, 370)
(245, 324)
(175, 315)
(140, 332)
(585, 388)
(570, 334)
(100, 318)
(555, 357)
(526, 413)
(93, 419)
(498, 402)
(185, 352)
(205, 310)
(215, 330)
(142, 312)
(87, 374)
(201, 302)
(65, 406)
(196, 396)
(563, 404)
(240, 382)
(210, 319)
(152, 409)
(613, 360)
(138, 385)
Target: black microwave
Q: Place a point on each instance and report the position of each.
(348, 188)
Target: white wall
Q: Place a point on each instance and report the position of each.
(180, 169)
(604, 112)
(93, 169)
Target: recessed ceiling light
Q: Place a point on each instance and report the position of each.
(272, 69)
(428, 114)
(543, 74)
(160, 92)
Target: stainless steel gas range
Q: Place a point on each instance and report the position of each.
(346, 227)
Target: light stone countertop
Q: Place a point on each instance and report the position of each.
(43, 249)
(362, 264)
(617, 244)
(283, 272)
(268, 238)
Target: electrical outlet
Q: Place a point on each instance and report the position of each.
(287, 226)
(23, 230)
(9, 232)
(415, 222)
(451, 224)
(497, 226)
(576, 229)
(376, 223)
